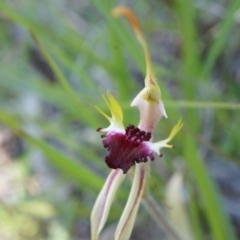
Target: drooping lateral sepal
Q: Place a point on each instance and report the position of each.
(104, 201)
(128, 217)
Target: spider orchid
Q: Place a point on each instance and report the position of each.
(130, 147)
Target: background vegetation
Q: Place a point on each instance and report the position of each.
(57, 59)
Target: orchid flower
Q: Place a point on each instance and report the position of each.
(130, 147)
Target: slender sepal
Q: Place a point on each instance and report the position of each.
(104, 201)
(126, 223)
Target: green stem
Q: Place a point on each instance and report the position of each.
(159, 216)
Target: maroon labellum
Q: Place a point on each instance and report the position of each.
(126, 149)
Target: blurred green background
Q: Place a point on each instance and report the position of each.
(57, 58)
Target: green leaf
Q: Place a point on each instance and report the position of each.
(70, 167)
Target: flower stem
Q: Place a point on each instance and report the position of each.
(157, 213)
